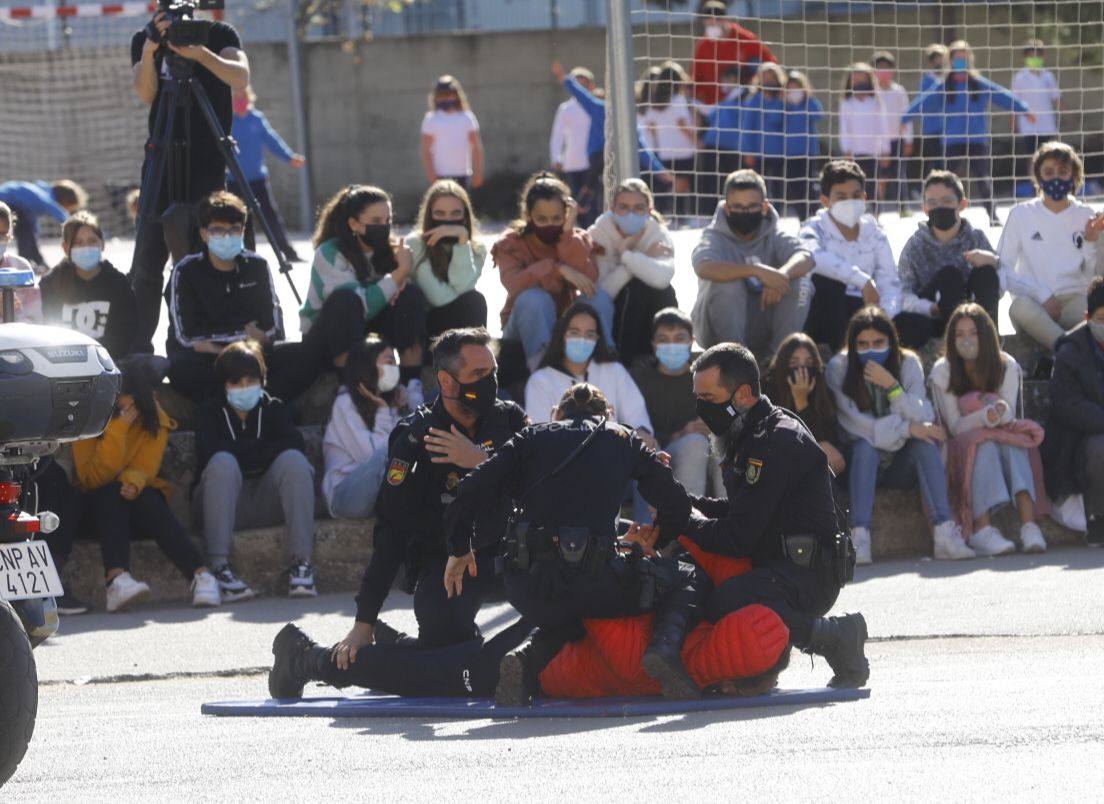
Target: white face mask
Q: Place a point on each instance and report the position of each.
(795, 96)
(847, 213)
(967, 348)
(388, 377)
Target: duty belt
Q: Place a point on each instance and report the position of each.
(528, 543)
(805, 550)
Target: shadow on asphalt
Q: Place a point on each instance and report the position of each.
(1066, 558)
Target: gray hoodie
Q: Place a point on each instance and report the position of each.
(924, 256)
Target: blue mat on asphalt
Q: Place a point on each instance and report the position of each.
(372, 705)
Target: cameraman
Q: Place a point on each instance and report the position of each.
(194, 168)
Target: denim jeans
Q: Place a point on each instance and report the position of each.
(534, 316)
(355, 496)
(915, 460)
(692, 463)
(1001, 471)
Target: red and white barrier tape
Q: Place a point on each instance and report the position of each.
(47, 12)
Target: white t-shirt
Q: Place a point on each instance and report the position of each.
(1044, 253)
(1039, 90)
(570, 132)
(451, 148)
(666, 126)
(862, 126)
(895, 101)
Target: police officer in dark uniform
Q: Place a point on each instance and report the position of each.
(780, 513)
(430, 452)
(569, 477)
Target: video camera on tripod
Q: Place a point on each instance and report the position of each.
(183, 30)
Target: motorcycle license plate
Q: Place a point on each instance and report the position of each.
(27, 571)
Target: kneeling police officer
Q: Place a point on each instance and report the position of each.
(568, 478)
(780, 513)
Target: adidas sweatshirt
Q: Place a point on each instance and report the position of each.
(1045, 253)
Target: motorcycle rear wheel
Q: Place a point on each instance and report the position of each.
(18, 691)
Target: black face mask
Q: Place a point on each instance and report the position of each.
(719, 417)
(943, 218)
(549, 235)
(376, 235)
(860, 89)
(479, 396)
(810, 370)
(744, 222)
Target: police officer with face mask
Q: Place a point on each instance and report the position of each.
(568, 478)
(430, 452)
(780, 513)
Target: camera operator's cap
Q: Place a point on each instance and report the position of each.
(16, 278)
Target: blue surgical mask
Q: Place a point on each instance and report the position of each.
(226, 247)
(879, 356)
(86, 257)
(631, 222)
(579, 350)
(673, 356)
(1058, 189)
(960, 65)
(244, 399)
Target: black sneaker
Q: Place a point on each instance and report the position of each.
(301, 579)
(70, 604)
(231, 587)
(289, 674)
(1095, 535)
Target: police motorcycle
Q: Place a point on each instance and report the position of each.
(56, 385)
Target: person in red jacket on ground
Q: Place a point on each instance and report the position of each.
(723, 44)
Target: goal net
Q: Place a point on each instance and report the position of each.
(784, 85)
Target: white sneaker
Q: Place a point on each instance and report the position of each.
(949, 544)
(860, 537)
(124, 590)
(989, 542)
(1032, 538)
(205, 591)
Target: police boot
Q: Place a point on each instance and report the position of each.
(520, 669)
(676, 615)
(840, 641)
(297, 660)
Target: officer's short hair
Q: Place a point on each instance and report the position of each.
(446, 347)
(736, 363)
(583, 399)
(672, 317)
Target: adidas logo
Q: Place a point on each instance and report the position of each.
(1036, 236)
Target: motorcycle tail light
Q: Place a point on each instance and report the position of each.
(24, 523)
(9, 493)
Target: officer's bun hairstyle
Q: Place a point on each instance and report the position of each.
(238, 361)
(556, 352)
(1064, 155)
(582, 400)
(447, 346)
(223, 207)
(854, 383)
(361, 369)
(840, 171)
(736, 363)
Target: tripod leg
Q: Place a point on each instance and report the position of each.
(223, 142)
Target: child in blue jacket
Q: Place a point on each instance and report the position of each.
(803, 113)
(762, 129)
(31, 200)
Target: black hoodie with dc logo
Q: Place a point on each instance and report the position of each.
(102, 307)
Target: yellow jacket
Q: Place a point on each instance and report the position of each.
(126, 453)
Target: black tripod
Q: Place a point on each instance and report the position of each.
(177, 95)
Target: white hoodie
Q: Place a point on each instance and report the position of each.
(614, 273)
(854, 262)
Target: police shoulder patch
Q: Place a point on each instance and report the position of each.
(754, 471)
(396, 472)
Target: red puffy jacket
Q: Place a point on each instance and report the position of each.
(738, 46)
(742, 644)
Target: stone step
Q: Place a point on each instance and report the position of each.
(341, 552)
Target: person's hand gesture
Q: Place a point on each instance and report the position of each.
(878, 375)
(127, 415)
(932, 433)
(434, 235)
(644, 535)
(978, 257)
(581, 281)
(558, 71)
(344, 653)
(405, 263)
(772, 278)
(129, 491)
(659, 250)
(454, 573)
(297, 161)
(801, 382)
(870, 294)
(1094, 227)
(453, 447)
(189, 52)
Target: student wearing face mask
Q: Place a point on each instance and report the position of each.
(752, 286)
(945, 262)
(667, 387)
(796, 382)
(1073, 452)
(723, 44)
(863, 134)
(451, 145)
(578, 352)
(217, 296)
(763, 128)
(1049, 249)
(636, 262)
(87, 293)
(672, 125)
(778, 512)
(368, 406)
(719, 153)
(854, 261)
(992, 453)
(931, 124)
(895, 101)
(544, 263)
(360, 280)
(447, 259)
(963, 100)
(888, 426)
(251, 472)
(803, 114)
(1037, 87)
